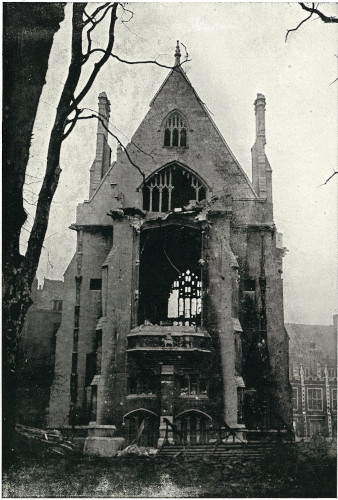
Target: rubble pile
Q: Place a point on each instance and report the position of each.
(42, 441)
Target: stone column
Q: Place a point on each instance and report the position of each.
(120, 299)
(220, 260)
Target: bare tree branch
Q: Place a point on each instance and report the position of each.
(91, 18)
(67, 105)
(99, 64)
(91, 29)
(131, 142)
(102, 120)
(315, 10)
(299, 25)
(140, 62)
(186, 52)
(329, 178)
(129, 12)
(72, 123)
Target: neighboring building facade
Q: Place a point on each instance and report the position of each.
(37, 352)
(313, 376)
(173, 302)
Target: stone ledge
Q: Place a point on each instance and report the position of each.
(103, 446)
(96, 430)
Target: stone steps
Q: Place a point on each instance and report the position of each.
(222, 451)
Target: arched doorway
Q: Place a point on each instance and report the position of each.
(141, 427)
(193, 426)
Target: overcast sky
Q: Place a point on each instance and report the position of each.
(236, 51)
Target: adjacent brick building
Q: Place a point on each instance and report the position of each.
(313, 376)
(173, 301)
(37, 352)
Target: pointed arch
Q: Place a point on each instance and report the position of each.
(172, 186)
(193, 410)
(173, 112)
(142, 427)
(175, 127)
(139, 410)
(194, 425)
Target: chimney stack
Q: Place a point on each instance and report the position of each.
(260, 117)
(261, 170)
(103, 152)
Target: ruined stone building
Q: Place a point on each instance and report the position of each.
(313, 377)
(173, 306)
(37, 353)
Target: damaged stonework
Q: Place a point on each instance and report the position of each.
(175, 332)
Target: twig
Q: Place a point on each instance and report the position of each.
(186, 52)
(131, 142)
(299, 25)
(140, 62)
(115, 137)
(327, 180)
(129, 11)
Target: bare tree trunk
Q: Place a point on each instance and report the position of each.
(28, 36)
(25, 67)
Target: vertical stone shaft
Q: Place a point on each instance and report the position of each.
(120, 304)
(220, 309)
(261, 170)
(258, 168)
(102, 155)
(74, 374)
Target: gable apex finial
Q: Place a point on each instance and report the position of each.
(177, 54)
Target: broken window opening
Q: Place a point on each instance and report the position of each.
(193, 385)
(95, 284)
(142, 384)
(184, 304)
(170, 276)
(249, 285)
(175, 132)
(170, 188)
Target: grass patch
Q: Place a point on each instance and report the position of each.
(299, 471)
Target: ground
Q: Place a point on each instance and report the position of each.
(301, 471)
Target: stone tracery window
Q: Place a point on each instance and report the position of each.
(184, 305)
(172, 187)
(175, 132)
